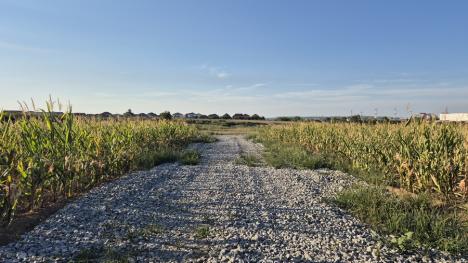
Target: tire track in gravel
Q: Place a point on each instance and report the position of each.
(217, 211)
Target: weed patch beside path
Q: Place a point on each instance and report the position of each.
(190, 157)
(411, 222)
(249, 159)
(290, 156)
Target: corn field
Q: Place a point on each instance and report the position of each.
(418, 156)
(57, 156)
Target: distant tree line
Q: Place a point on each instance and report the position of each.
(294, 118)
(163, 115)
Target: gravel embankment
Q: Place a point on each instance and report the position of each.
(216, 211)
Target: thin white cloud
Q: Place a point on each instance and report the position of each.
(250, 87)
(25, 48)
(222, 75)
(159, 94)
(215, 71)
(305, 84)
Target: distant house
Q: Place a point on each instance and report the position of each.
(153, 115)
(226, 116)
(213, 116)
(240, 116)
(177, 115)
(425, 116)
(105, 114)
(192, 115)
(454, 117)
(143, 115)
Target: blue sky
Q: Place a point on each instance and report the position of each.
(270, 57)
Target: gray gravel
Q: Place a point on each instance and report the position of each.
(217, 211)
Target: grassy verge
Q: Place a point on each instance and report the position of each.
(289, 156)
(205, 137)
(249, 160)
(410, 221)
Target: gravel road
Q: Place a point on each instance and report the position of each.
(217, 211)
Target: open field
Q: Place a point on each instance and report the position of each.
(233, 199)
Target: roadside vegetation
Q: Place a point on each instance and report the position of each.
(190, 157)
(49, 156)
(416, 174)
(249, 160)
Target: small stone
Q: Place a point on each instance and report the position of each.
(21, 255)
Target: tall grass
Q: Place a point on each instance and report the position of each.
(418, 156)
(53, 156)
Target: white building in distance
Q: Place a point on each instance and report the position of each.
(453, 117)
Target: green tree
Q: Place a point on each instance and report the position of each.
(166, 115)
(129, 113)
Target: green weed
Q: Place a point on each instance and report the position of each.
(249, 160)
(190, 157)
(411, 222)
(202, 232)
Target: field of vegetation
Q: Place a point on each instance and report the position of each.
(415, 174)
(56, 156)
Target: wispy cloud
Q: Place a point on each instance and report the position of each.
(215, 71)
(370, 93)
(255, 86)
(24, 48)
(222, 75)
